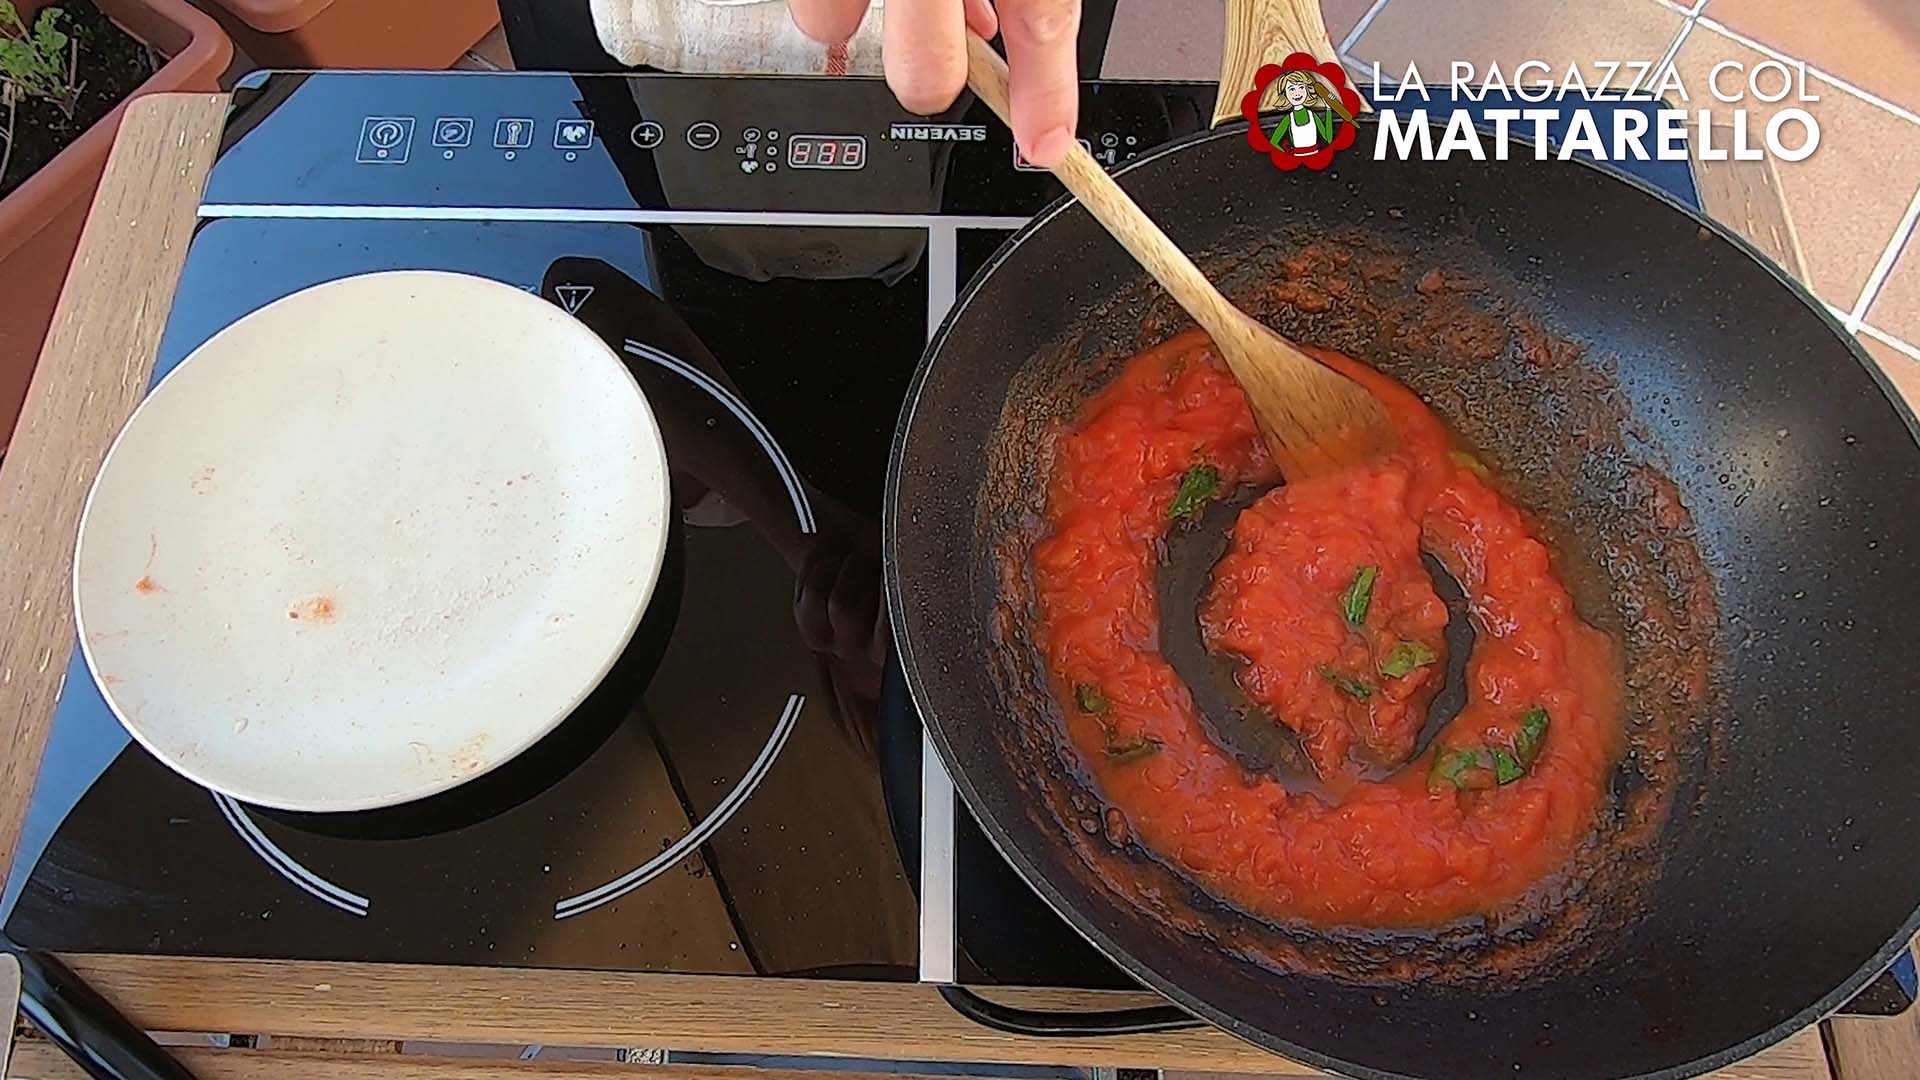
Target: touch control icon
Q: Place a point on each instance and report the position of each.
(512, 133)
(646, 135)
(385, 140)
(703, 136)
(453, 132)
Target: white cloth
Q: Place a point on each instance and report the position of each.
(730, 37)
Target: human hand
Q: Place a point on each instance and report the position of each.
(924, 49)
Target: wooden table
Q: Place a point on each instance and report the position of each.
(93, 371)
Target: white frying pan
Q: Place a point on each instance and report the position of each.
(371, 541)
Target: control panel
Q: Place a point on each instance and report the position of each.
(654, 142)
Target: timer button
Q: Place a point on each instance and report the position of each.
(703, 136)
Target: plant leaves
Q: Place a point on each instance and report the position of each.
(1136, 750)
(34, 62)
(1345, 683)
(1406, 656)
(1359, 595)
(47, 33)
(1505, 769)
(1090, 700)
(1455, 767)
(1533, 732)
(1197, 485)
(1470, 463)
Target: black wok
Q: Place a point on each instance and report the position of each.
(1764, 829)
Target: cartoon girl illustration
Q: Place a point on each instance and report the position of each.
(1309, 121)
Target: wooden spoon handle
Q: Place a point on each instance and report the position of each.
(1114, 208)
(1265, 32)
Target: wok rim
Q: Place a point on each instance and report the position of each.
(1001, 837)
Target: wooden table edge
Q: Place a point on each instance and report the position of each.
(93, 371)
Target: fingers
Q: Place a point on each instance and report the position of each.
(981, 19)
(828, 21)
(811, 594)
(854, 606)
(924, 48)
(837, 604)
(1042, 41)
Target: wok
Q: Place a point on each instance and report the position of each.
(1593, 340)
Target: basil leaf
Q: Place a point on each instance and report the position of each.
(1128, 752)
(1359, 595)
(1470, 463)
(1450, 767)
(1197, 485)
(1533, 732)
(1090, 699)
(1505, 769)
(1345, 683)
(1406, 656)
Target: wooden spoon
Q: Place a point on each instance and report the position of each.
(1313, 418)
(1264, 32)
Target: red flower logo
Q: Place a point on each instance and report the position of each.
(1286, 158)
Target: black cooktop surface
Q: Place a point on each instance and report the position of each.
(744, 793)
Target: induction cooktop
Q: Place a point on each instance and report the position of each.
(748, 792)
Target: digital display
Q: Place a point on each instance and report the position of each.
(827, 151)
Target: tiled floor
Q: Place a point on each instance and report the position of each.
(1437, 33)
(1896, 309)
(490, 53)
(1849, 209)
(1848, 197)
(1873, 44)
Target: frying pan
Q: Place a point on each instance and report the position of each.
(1730, 483)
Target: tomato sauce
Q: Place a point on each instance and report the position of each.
(1324, 607)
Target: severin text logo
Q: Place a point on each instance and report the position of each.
(938, 133)
(1316, 117)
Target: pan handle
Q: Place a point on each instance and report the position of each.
(85, 1026)
(1044, 1024)
(1265, 32)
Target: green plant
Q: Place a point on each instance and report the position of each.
(38, 61)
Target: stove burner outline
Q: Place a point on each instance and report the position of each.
(613, 890)
(661, 863)
(286, 865)
(802, 506)
(354, 904)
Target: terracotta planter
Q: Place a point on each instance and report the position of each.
(40, 220)
(355, 33)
